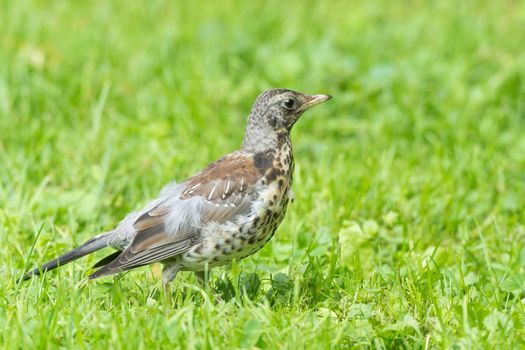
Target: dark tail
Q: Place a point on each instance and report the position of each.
(94, 244)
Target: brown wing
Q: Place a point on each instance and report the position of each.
(219, 193)
(227, 187)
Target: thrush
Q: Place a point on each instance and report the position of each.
(227, 211)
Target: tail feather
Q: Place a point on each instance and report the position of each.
(107, 259)
(106, 271)
(94, 244)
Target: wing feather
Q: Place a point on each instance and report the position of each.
(220, 193)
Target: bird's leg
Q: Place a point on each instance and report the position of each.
(168, 274)
(201, 278)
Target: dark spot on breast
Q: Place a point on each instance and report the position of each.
(228, 241)
(252, 239)
(262, 161)
(217, 246)
(272, 175)
(274, 197)
(282, 137)
(281, 183)
(255, 221)
(198, 249)
(226, 252)
(242, 238)
(268, 212)
(271, 203)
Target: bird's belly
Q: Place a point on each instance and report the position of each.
(223, 243)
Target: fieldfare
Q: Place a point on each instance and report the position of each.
(227, 211)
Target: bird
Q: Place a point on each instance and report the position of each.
(227, 211)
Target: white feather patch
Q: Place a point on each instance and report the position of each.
(184, 215)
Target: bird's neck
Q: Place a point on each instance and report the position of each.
(260, 137)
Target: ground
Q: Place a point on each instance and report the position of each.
(407, 228)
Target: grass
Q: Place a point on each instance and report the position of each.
(408, 226)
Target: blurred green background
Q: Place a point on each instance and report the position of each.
(407, 228)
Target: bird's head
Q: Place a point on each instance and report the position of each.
(281, 108)
(275, 112)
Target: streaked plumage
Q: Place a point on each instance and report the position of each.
(227, 211)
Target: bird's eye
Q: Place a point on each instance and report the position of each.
(289, 103)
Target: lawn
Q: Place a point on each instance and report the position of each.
(407, 229)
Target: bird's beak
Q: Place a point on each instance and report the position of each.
(313, 100)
